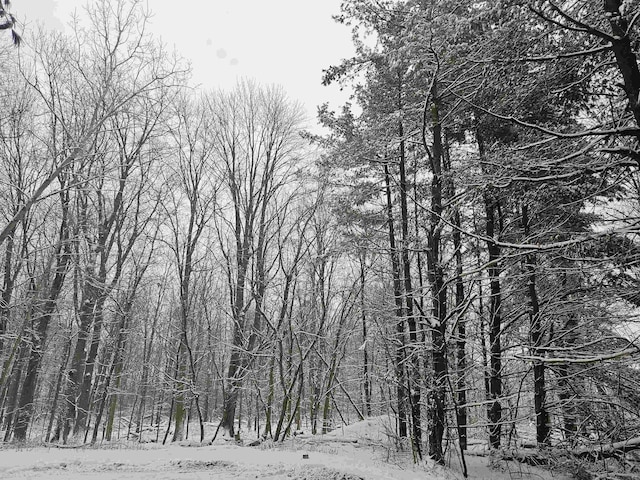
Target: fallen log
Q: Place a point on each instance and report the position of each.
(606, 451)
(531, 457)
(536, 457)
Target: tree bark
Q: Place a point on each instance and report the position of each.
(537, 332)
(365, 348)
(461, 334)
(43, 311)
(76, 374)
(495, 322)
(13, 390)
(7, 290)
(397, 295)
(413, 375)
(626, 59)
(436, 278)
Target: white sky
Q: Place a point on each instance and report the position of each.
(287, 42)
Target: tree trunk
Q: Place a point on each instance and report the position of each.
(56, 393)
(270, 395)
(232, 390)
(438, 288)
(113, 401)
(44, 311)
(89, 364)
(566, 374)
(7, 291)
(397, 295)
(13, 390)
(626, 59)
(492, 206)
(73, 389)
(537, 332)
(235, 372)
(181, 397)
(495, 322)
(8, 367)
(461, 334)
(26, 403)
(365, 348)
(413, 375)
(146, 366)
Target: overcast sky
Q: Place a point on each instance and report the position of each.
(288, 42)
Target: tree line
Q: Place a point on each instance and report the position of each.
(495, 145)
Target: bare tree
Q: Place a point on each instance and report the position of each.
(192, 186)
(256, 143)
(83, 84)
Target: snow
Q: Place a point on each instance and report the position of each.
(358, 451)
(218, 461)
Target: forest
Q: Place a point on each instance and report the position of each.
(456, 248)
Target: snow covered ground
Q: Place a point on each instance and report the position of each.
(359, 451)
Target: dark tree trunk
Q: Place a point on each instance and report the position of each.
(181, 387)
(113, 401)
(365, 348)
(493, 231)
(13, 391)
(461, 334)
(76, 374)
(397, 295)
(43, 311)
(626, 59)
(105, 391)
(235, 372)
(232, 389)
(269, 406)
(413, 374)
(569, 388)
(56, 392)
(495, 322)
(537, 332)
(89, 365)
(7, 291)
(436, 277)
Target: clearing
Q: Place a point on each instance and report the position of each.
(358, 451)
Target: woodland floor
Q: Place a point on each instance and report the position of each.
(359, 451)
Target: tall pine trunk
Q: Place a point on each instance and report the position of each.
(495, 324)
(397, 295)
(493, 231)
(460, 309)
(536, 332)
(436, 278)
(413, 374)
